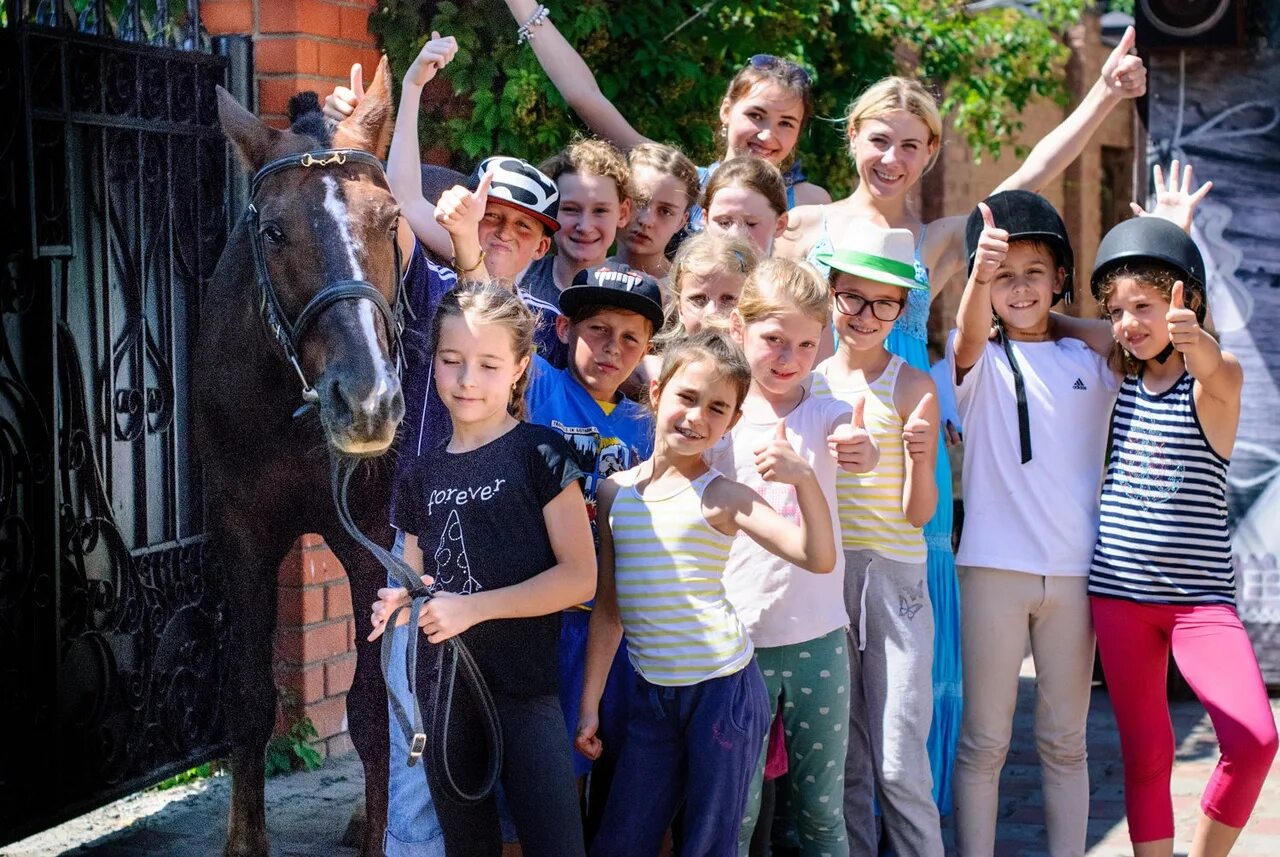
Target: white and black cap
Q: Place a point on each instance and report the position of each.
(520, 185)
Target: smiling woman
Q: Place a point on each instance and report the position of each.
(763, 112)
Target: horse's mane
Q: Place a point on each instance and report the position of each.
(306, 117)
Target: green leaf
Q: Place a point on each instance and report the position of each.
(987, 66)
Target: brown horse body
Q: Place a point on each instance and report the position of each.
(267, 471)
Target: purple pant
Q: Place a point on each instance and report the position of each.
(696, 746)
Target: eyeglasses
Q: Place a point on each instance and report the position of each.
(852, 303)
(766, 62)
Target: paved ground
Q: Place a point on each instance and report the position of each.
(309, 812)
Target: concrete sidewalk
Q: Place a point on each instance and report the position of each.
(308, 812)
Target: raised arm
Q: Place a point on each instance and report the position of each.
(736, 508)
(1217, 372)
(1175, 201)
(920, 443)
(460, 211)
(973, 319)
(575, 82)
(404, 171)
(1123, 77)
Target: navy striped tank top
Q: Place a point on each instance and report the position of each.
(1163, 536)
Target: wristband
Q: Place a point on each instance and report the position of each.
(473, 268)
(525, 32)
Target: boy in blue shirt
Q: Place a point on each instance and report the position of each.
(608, 317)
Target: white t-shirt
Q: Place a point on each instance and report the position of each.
(780, 603)
(1040, 517)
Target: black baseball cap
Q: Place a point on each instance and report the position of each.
(615, 286)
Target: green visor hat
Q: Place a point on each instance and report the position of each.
(882, 255)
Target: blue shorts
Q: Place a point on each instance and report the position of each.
(614, 705)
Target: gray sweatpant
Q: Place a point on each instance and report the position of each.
(891, 671)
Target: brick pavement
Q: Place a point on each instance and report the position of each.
(1021, 830)
(308, 812)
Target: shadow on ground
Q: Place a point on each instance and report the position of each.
(308, 812)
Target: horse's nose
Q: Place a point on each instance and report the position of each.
(369, 416)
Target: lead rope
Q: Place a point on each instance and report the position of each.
(341, 470)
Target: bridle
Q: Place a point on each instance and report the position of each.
(289, 334)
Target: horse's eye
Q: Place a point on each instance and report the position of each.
(272, 234)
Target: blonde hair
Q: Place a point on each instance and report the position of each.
(702, 255)
(752, 173)
(714, 346)
(669, 161)
(891, 94)
(593, 157)
(780, 285)
(490, 303)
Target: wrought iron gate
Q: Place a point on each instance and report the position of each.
(113, 179)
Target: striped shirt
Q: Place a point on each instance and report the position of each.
(668, 568)
(1163, 537)
(871, 516)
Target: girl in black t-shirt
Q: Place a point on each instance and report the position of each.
(495, 522)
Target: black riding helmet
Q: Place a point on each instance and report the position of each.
(1025, 216)
(1028, 216)
(1152, 240)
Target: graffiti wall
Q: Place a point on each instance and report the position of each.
(1220, 110)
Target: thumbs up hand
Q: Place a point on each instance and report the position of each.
(435, 55)
(851, 444)
(919, 432)
(1123, 73)
(343, 101)
(993, 247)
(1184, 328)
(460, 210)
(778, 461)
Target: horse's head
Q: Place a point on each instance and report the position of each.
(323, 227)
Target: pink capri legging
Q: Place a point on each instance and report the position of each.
(1213, 652)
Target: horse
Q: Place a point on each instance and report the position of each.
(303, 310)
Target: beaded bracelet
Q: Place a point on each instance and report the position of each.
(525, 32)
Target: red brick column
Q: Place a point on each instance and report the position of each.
(315, 643)
(297, 44)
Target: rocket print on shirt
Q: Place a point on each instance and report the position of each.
(453, 569)
(598, 457)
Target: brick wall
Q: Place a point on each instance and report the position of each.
(315, 652)
(297, 44)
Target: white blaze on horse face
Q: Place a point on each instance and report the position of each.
(337, 209)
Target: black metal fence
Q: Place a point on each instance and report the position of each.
(113, 184)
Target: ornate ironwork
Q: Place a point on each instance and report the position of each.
(112, 619)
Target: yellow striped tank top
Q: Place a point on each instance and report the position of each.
(871, 516)
(669, 571)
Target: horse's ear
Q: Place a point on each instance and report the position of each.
(253, 140)
(369, 127)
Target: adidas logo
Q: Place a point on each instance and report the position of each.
(1079, 385)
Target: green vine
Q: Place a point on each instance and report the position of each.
(495, 98)
(294, 751)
